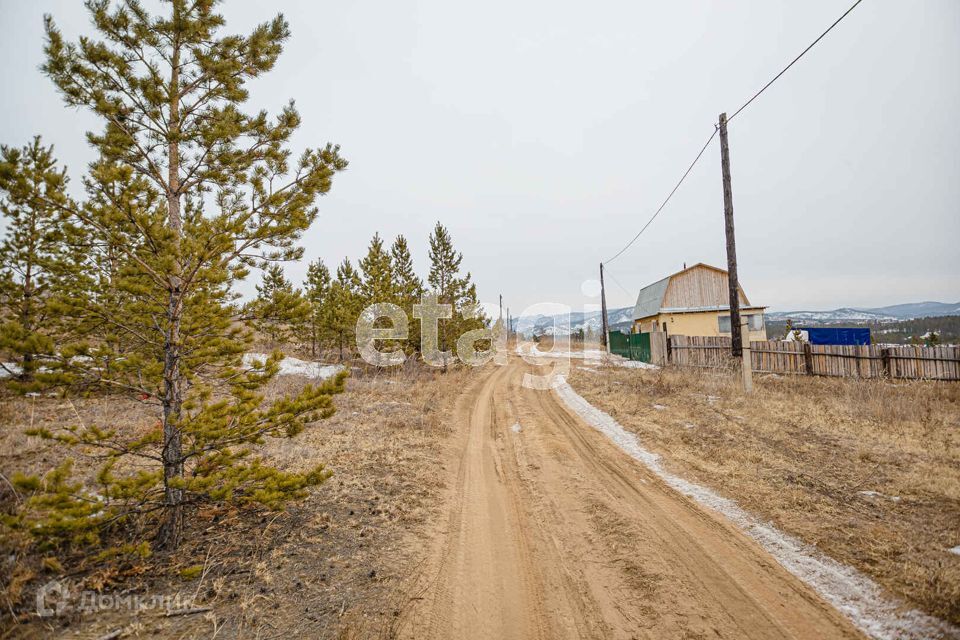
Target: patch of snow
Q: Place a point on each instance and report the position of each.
(593, 354)
(9, 369)
(659, 407)
(955, 550)
(852, 593)
(296, 367)
(877, 494)
(633, 364)
(516, 427)
(588, 355)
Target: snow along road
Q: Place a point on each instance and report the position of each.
(552, 531)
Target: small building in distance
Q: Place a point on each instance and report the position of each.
(694, 302)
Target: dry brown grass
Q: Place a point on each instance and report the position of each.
(866, 470)
(331, 566)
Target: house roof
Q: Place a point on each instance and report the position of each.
(650, 298)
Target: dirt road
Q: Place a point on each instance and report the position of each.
(553, 532)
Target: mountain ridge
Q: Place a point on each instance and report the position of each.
(623, 317)
(903, 311)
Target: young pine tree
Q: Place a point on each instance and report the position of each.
(170, 90)
(32, 190)
(377, 284)
(408, 286)
(279, 310)
(317, 292)
(451, 288)
(343, 306)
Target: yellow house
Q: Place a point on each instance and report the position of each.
(693, 302)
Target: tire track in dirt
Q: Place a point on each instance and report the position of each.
(553, 532)
(485, 583)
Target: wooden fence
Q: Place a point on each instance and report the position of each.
(873, 361)
(699, 351)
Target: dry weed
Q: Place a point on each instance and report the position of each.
(330, 566)
(867, 470)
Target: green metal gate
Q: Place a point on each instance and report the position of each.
(635, 346)
(619, 343)
(640, 347)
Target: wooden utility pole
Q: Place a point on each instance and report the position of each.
(603, 310)
(735, 329)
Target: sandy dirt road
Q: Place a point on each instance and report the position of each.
(553, 532)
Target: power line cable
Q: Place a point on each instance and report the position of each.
(660, 208)
(617, 282)
(735, 113)
(794, 61)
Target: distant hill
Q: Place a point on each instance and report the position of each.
(906, 311)
(589, 321)
(846, 314)
(921, 309)
(622, 318)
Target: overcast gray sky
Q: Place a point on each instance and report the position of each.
(544, 133)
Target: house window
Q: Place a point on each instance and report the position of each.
(754, 322)
(724, 324)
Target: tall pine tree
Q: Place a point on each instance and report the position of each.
(32, 192)
(450, 287)
(169, 90)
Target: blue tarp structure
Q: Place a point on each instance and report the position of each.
(837, 335)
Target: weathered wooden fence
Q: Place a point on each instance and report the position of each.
(699, 351)
(873, 361)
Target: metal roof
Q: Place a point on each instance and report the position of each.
(650, 299)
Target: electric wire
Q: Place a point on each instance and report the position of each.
(660, 208)
(794, 61)
(617, 282)
(715, 129)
